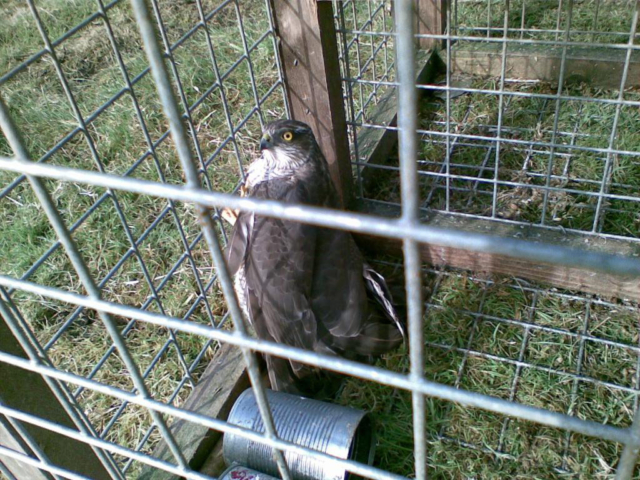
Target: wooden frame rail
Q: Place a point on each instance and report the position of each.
(600, 67)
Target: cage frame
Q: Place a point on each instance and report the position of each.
(439, 245)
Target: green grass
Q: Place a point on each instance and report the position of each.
(541, 19)
(477, 114)
(470, 443)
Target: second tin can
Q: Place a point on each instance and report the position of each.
(238, 472)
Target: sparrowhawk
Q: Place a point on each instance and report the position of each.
(303, 285)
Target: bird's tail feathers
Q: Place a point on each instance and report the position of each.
(306, 381)
(378, 289)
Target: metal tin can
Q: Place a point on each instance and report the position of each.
(333, 429)
(238, 472)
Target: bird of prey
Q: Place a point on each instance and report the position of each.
(303, 285)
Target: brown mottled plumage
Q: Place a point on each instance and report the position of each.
(302, 285)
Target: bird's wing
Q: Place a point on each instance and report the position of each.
(279, 275)
(339, 297)
(240, 240)
(351, 300)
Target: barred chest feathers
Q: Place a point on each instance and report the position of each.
(271, 166)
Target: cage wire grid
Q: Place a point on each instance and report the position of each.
(464, 172)
(530, 345)
(362, 94)
(540, 149)
(189, 244)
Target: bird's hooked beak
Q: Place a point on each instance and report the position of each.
(265, 142)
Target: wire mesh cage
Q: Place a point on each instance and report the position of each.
(499, 138)
(507, 143)
(85, 98)
(526, 124)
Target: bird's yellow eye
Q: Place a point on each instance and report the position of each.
(287, 136)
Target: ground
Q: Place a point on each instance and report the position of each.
(513, 340)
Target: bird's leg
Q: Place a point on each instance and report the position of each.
(232, 215)
(229, 215)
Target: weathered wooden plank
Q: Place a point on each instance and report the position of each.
(215, 464)
(598, 66)
(11, 439)
(569, 278)
(431, 19)
(30, 393)
(375, 144)
(221, 383)
(309, 54)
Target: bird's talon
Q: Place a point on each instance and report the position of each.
(229, 215)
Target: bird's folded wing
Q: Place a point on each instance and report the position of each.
(239, 243)
(279, 275)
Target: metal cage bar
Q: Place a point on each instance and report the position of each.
(496, 138)
(170, 106)
(407, 139)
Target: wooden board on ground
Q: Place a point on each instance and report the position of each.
(10, 438)
(597, 66)
(569, 278)
(29, 392)
(214, 395)
(375, 144)
(214, 465)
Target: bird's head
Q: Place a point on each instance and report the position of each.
(288, 142)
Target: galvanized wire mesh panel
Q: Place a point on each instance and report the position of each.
(116, 291)
(561, 154)
(369, 57)
(520, 342)
(555, 153)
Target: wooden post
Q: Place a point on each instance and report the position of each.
(431, 18)
(309, 53)
(30, 393)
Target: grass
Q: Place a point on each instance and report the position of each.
(527, 119)
(476, 330)
(475, 345)
(541, 19)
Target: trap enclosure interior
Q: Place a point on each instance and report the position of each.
(112, 296)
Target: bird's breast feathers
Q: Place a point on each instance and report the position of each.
(267, 168)
(272, 166)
